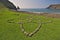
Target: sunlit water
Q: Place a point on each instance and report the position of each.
(41, 10)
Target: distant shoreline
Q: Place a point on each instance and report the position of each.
(53, 14)
(41, 10)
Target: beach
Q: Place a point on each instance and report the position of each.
(52, 14)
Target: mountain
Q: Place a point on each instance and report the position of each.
(8, 4)
(54, 6)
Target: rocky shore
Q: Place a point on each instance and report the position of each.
(53, 15)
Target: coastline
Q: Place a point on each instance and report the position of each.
(53, 14)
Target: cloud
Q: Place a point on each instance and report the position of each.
(27, 3)
(34, 3)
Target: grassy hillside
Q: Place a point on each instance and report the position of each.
(10, 29)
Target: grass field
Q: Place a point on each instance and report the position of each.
(10, 29)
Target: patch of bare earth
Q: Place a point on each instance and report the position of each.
(51, 15)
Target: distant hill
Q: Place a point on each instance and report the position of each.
(54, 6)
(8, 4)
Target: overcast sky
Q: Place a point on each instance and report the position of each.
(34, 3)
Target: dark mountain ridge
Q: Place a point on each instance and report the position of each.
(8, 4)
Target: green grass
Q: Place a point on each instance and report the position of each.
(12, 31)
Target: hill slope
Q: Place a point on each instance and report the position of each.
(54, 6)
(8, 4)
(10, 29)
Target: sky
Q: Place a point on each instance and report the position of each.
(34, 3)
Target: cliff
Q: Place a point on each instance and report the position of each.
(8, 4)
(54, 6)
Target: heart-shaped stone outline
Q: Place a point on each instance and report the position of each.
(35, 31)
(32, 33)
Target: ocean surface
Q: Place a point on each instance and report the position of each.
(41, 10)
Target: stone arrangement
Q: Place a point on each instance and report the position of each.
(36, 30)
(29, 20)
(32, 33)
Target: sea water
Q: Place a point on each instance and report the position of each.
(41, 10)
